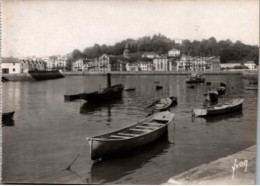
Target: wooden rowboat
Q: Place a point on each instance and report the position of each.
(142, 133)
(163, 104)
(218, 109)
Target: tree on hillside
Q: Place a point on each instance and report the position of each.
(76, 54)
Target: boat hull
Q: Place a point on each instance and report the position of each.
(212, 112)
(101, 148)
(224, 111)
(71, 97)
(45, 75)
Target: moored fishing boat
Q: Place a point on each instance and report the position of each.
(195, 78)
(139, 134)
(221, 108)
(105, 94)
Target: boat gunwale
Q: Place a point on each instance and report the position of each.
(95, 138)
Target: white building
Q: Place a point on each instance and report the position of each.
(50, 64)
(146, 66)
(132, 67)
(174, 52)
(162, 64)
(61, 62)
(11, 65)
(251, 65)
(78, 65)
(150, 55)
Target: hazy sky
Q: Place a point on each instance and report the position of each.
(45, 28)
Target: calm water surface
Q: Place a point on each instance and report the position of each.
(49, 134)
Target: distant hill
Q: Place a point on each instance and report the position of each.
(226, 49)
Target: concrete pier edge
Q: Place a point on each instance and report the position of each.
(231, 169)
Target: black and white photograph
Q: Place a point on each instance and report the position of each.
(129, 92)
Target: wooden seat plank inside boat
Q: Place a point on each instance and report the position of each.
(151, 123)
(142, 130)
(123, 137)
(147, 127)
(128, 134)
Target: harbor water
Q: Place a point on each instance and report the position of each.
(47, 141)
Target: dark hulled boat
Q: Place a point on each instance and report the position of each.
(142, 133)
(105, 94)
(45, 75)
(71, 97)
(224, 108)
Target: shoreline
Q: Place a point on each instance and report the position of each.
(78, 73)
(27, 77)
(238, 168)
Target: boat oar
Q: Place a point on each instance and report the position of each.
(75, 159)
(151, 105)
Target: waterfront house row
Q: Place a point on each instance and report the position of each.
(189, 63)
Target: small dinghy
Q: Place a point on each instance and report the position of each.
(158, 87)
(163, 104)
(223, 84)
(129, 89)
(218, 109)
(139, 134)
(221, 90)
(212, 96)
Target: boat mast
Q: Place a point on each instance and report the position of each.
(108, 80)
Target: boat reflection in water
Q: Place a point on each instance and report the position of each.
(89, 108)
(119, 165)
(9, 123)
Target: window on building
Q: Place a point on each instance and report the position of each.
(13, 69)
(13, 63)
